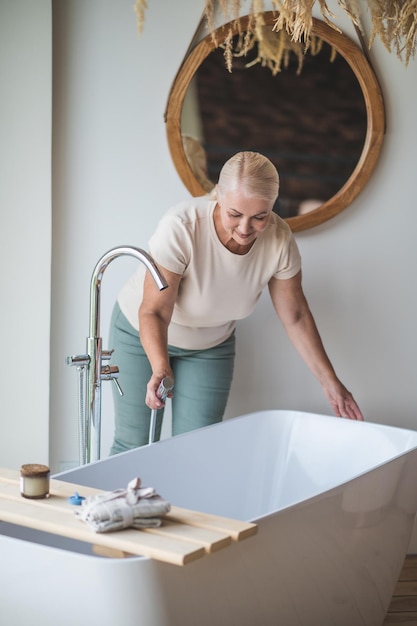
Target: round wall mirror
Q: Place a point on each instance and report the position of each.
(323, 127)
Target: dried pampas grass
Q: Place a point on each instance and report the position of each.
(140, 8)
(273, 49)
(393, 21)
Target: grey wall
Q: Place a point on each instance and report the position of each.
(25, 229)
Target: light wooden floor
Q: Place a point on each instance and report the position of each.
(403, 608)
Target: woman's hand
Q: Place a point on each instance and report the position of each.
(152, 399)
(342, 401)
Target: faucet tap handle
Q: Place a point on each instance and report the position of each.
(79, 360)
(111, 372)
(118, 387)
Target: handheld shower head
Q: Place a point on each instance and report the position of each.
(165, 386)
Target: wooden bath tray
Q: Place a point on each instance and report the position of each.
(184, 535)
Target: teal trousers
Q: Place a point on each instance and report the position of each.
(202, 385)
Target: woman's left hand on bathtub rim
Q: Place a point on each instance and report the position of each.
(342, 401)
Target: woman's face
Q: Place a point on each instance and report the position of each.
(243, 218)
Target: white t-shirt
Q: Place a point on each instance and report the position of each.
(217, 287)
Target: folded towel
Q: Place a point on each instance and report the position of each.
(135, 507)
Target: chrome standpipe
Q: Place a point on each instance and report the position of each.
(90, 413)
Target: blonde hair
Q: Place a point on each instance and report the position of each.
(251, 173)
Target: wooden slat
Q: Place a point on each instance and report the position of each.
(211, 540)
(409, 570)
(203, 537)
(403, 603)
(131, 541)
(111, 553)
(410, 561)
(403, 608)
(401, 619)
(183, 536)
(238, 530)
(406, 588)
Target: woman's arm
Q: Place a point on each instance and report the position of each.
(292, 308)
(155, 314)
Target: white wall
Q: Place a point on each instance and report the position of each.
(113, 175)
(25, 229)
(113, 178)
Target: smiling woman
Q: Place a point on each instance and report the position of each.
(247, 189)
(238, 220)
(218, 253)
(322, 129)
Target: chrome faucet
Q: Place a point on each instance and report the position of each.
(92, 361)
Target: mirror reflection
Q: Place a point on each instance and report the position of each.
(323, 127)
(311, 125)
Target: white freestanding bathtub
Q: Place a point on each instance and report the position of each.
(334, 501)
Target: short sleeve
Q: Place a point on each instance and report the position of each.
(170, 245)
(289, 258)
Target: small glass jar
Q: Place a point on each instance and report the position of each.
(34, 481)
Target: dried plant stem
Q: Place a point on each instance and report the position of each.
(140, 8)
(393, 21)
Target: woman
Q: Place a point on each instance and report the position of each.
(217, 254)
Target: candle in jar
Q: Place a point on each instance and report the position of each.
(34, 480)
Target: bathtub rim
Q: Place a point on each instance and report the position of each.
(290, 413)
(262, 412)
(228, 423)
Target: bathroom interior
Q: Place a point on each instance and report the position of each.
(88, 166)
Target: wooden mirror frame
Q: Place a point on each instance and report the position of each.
(374, 110)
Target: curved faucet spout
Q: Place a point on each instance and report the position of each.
(94, 343)
(98, 272)
(90, 412)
